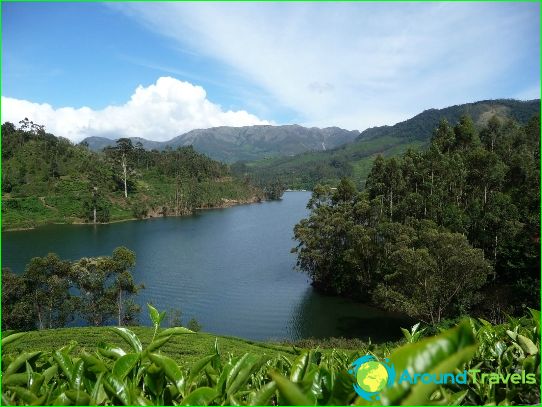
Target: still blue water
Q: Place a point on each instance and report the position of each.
(229, 268)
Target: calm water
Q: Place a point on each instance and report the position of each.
(230, 268)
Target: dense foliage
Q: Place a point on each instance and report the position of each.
(48, 179)
(52, 292)
(354, 160)
(438, 231)
(144, 375)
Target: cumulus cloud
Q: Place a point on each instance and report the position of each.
(157, 112)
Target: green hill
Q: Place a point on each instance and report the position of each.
(46, 179)
(230, 144)
(354, 159)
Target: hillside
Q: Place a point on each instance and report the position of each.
(46, 179)
(230, 144)
(185, 348)
(355, 159)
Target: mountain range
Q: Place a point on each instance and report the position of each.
(230, 144)
(354, 159)
(301, 156)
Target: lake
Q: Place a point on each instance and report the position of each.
(229, 268)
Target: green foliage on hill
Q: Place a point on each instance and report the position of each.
(47, 179)
(438, 233)
(354, 160)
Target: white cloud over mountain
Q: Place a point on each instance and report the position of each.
(157, 112)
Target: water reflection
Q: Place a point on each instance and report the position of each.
(321, 316)
(230, 268)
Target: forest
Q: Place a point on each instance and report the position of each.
(437, 234)
(48, 179)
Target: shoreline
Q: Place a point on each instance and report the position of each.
(227, 203)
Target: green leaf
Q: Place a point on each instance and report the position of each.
(65, 364)
(110, 352)
(343, 391)
(439, 354)
(20, 361)
(170, 368)
(406, 334)
(178, 330)
(62, 400)
(198, 366)
(12, 338)
(154, 314)
(527, 345)
(117, 388)
(200, 397)
(124, 365)
(78, 397)
(130, 338)
(248, 366)
(96, 394)
(15, 379)
(262, 397)
(421, 392)
(290, 391)
(92, 363)
(158, 343)
(25, 395)
(77, 376)
(49, 373)
(456, 398)
(300, 367)
(535, 314)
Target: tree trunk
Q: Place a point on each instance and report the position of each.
(120, 306)
(40, 319)
(125, 175)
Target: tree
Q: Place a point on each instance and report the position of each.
(437, 275)
(106, 286)
(122, 264)
(124, 150)
(18, 311)
(48, 283)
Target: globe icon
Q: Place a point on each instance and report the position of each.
(372, 376)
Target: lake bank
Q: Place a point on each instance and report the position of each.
(229, 268)
(226, 203)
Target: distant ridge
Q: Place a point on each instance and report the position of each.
(230, 144)
(354, 159)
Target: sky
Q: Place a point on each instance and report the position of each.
(157, 70)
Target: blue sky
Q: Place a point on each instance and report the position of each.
(94, 69)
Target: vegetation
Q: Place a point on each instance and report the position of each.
(354, 159)
(435, 232)
(142, 372)
(231, 144)
(52, 292)
(47, 179)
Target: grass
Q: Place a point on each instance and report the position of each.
(184, 349)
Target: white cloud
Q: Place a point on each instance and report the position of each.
(363, 64)
(157, 112)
